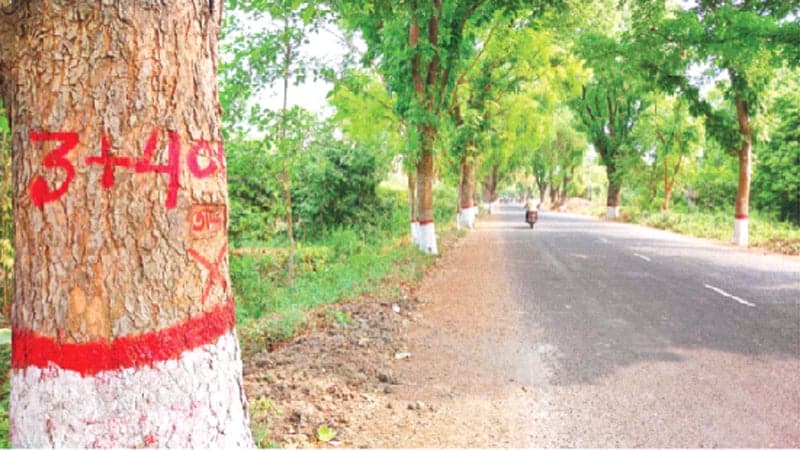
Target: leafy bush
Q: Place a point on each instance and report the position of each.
(337, 187)
(776, 181)
(254, 192)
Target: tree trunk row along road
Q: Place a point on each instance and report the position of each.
(598, 334)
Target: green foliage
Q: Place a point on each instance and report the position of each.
(335, 184)
(256, 56)
(740, 43)
(610, 103)
(254, 191)
(336, 187)
(365, 114)
(716, 181)
(325, 433)
(776, 181)
(668, 142)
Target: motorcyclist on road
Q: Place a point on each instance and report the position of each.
(530, 205)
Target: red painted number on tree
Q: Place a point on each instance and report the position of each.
(41, 193)
(56, 159)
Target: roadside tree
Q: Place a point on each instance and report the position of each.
(123, 317)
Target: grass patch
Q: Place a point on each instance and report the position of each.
(765, 232)
(268, 312)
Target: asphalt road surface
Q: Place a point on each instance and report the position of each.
(598, 334)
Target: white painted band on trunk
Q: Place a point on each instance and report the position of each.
(467, 217)
(740, 232)
(414, 233)
(195, 401)
(427, 239)
(612, 212)
(472, 214)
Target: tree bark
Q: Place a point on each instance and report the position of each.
(490, 185)
(467, 186)
(614, 192)
(466, 190)
(123, 318)
(425, 175)
(542, 185)
(745, 170)
(563, 193)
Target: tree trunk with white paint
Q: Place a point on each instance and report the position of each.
(466, 192)
(123, 317)
(426, 238)
(614, 192)
(741, 219)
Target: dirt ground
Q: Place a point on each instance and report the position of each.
(376, 380)
(410, 370)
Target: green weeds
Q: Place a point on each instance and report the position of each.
(765, 232)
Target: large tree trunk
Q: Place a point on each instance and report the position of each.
(490, 188)
(123, 317)
(614, 192)
(562, 194)
(740, 231)
(425, 79)
(425, 175)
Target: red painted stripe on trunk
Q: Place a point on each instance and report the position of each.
(31, 349)
(425, 222)
(466, 207)
(741, 216)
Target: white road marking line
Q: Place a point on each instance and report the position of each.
(642, 256)
(725, 294)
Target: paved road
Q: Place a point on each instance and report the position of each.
(596, 334)
(611, 295)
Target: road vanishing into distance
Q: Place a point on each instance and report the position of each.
(598, 334)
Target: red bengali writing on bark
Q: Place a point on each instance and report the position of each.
(31, 349)
(207, 221)
(41, 193)
(214, 274)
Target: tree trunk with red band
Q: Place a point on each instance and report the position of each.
(122, 312)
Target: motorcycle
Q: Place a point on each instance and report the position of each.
(531, 216)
